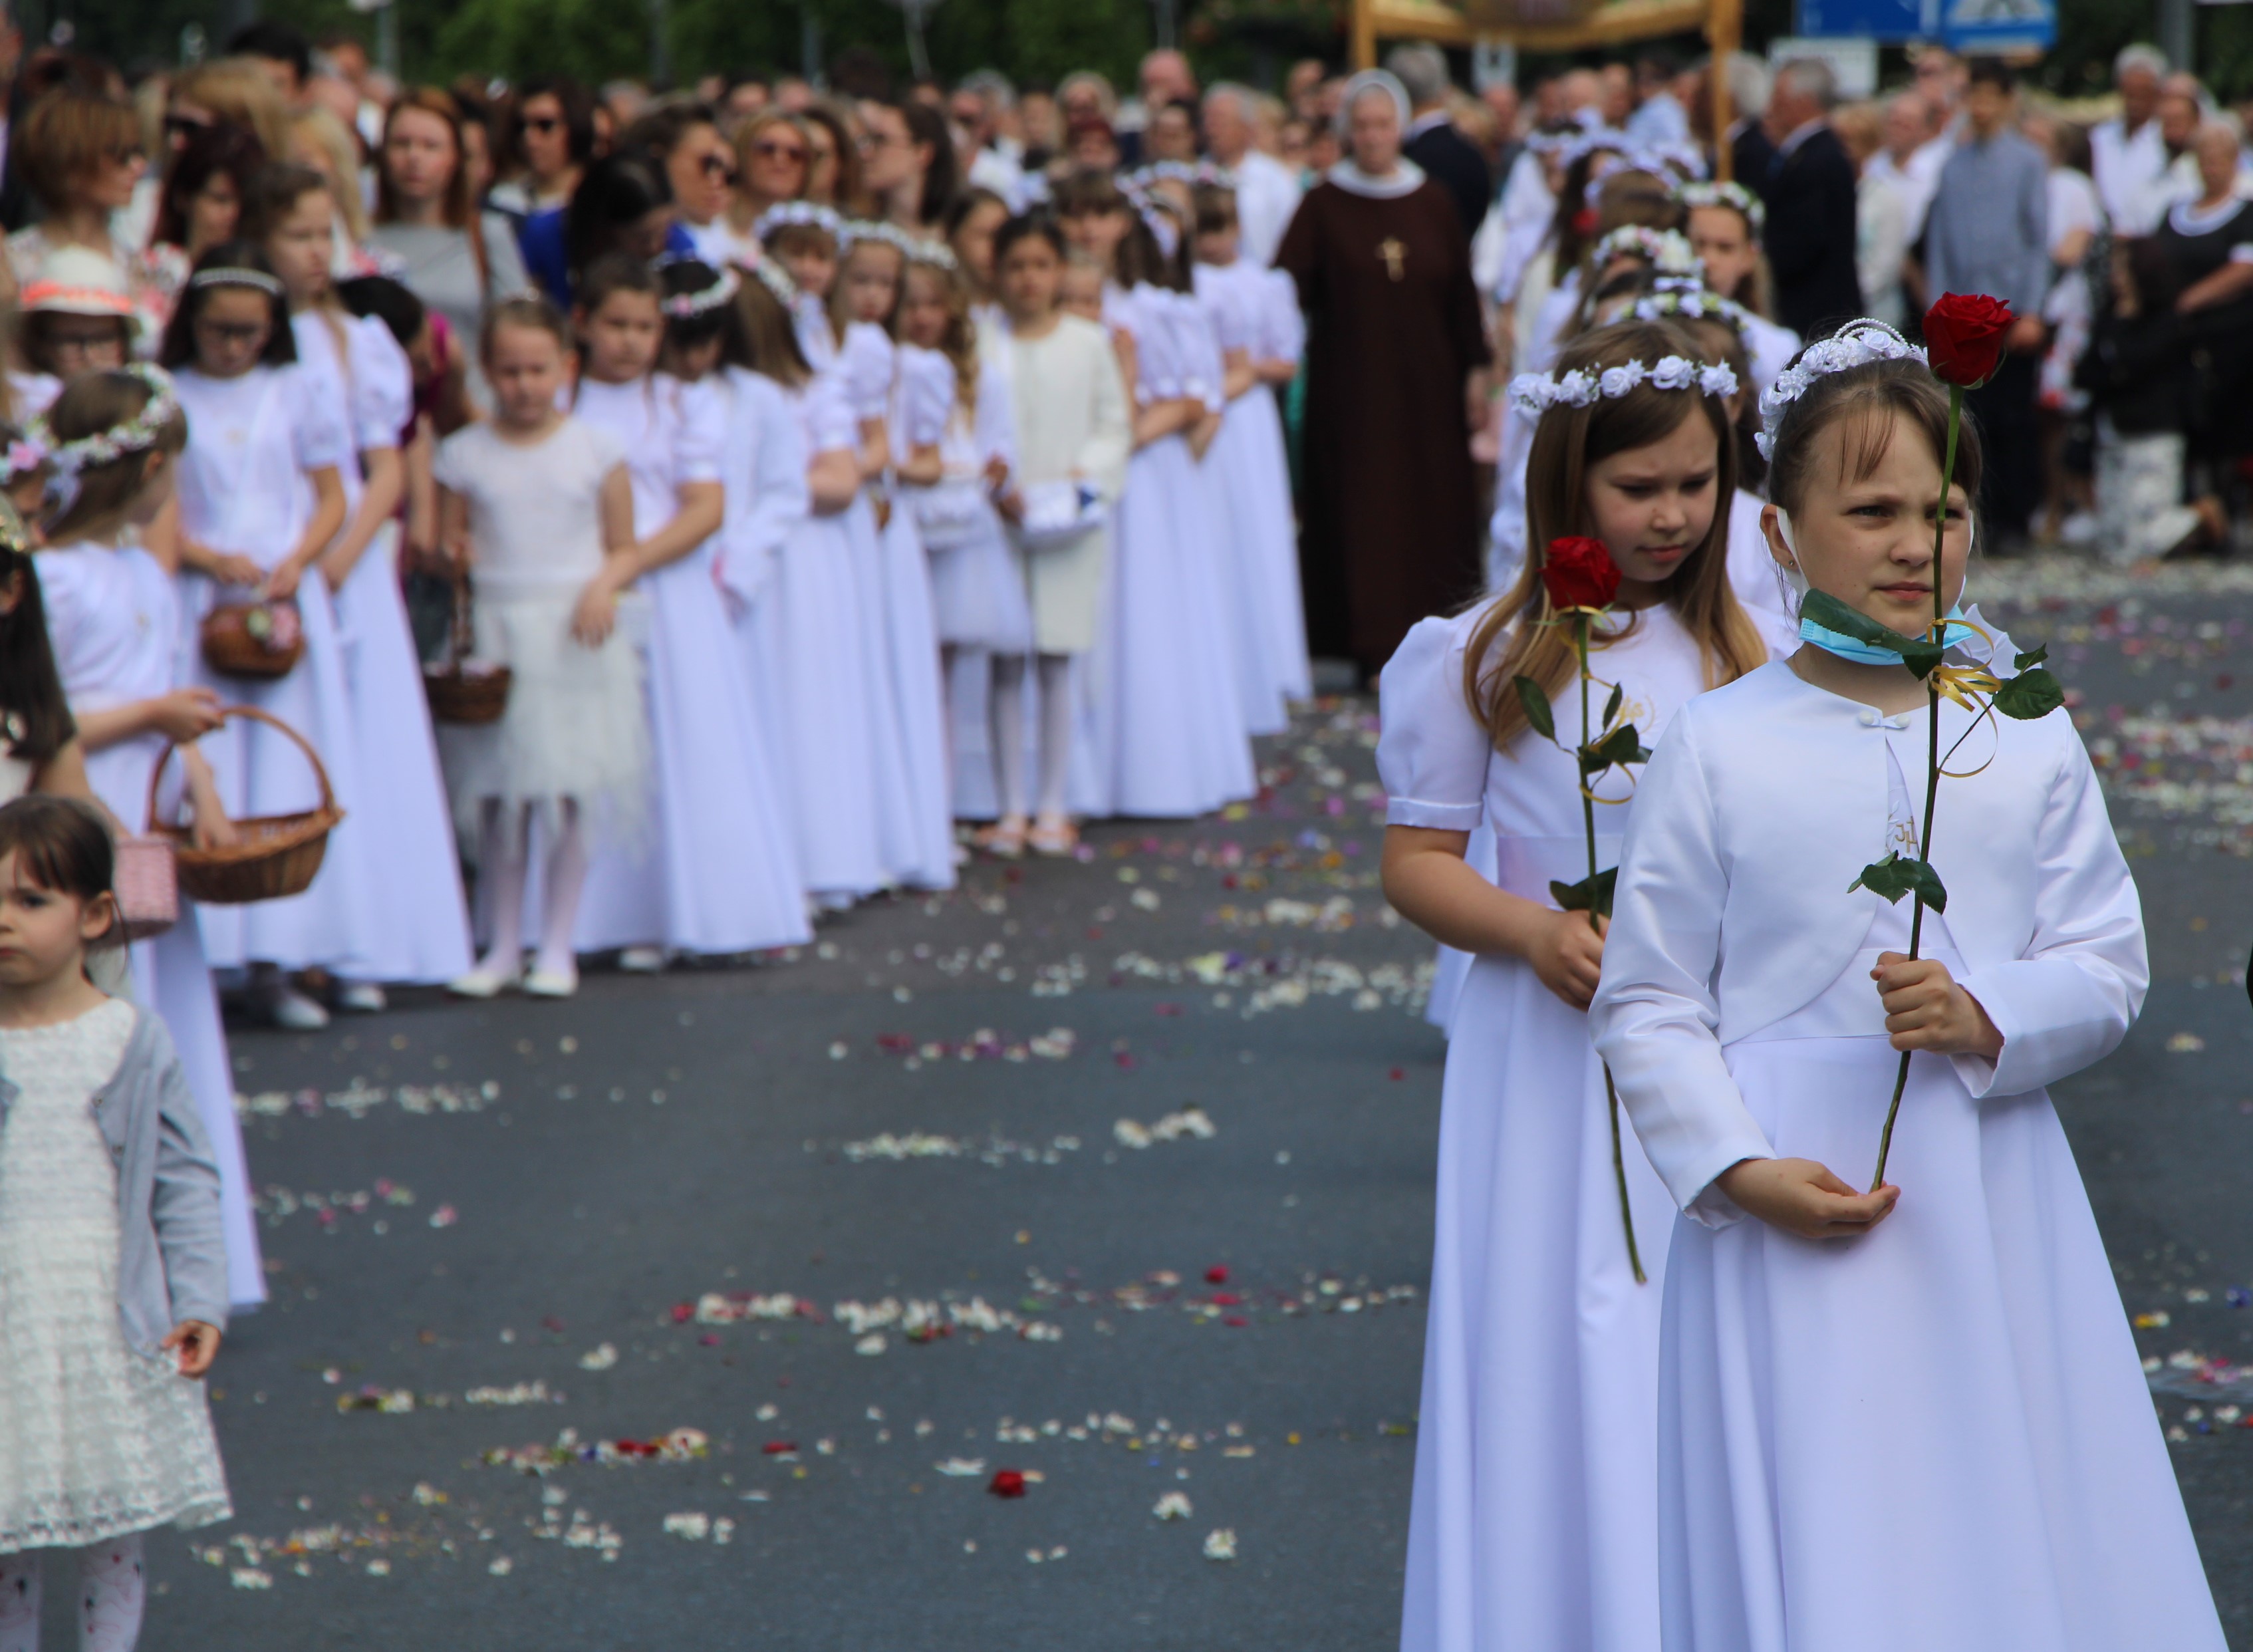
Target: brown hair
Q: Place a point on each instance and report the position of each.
(840, 314)
(1719, 342)
(276, 193)
(845, 193)
(1878, 397)
(1511, 640)
(227, 148)
(89, 404)
(62, 845)
(238, 92)
(960, 342)
(67, 135)
(772, 337)
(459, 210)
(536, 311)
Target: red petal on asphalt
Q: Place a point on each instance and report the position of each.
(683, 1312)
(776, 1448)
(1236, 1319)
(1399, 1072)
(1007, 1483)
(1226, 1298)
(1216, 1274)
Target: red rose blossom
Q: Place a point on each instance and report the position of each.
(1216, 1274)
(1963, 337)
(1007, 1483)
(1579, 572)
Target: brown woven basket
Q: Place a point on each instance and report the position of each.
(233, 648)
(277, 855)
(458, 693)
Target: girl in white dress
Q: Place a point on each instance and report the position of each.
(957, 453)
(809, 624)
(112, 608)
(261, 486)
(113, 1272)
(1073, 422)
(1536, 1457)
(897, 574)
(710, 882)
(420, 927)
(539, 505)
(1883, 1425)
(1175, 740)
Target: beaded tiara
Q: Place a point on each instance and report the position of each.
(1855, 345)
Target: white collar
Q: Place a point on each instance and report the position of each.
(1799, 135)
(2184, 218)
(1429, 121)
(1404, 179)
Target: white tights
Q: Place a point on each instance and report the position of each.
(1008, 718)
(112, 1590)
(506, 859)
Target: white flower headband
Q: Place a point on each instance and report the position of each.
(688, 306)
(1671, 297)
(1536, 393)
(789, 214)
(136, 435)
(25, 454)
(1855, 345)
(1731, 195)
(235, 276)
(937, 253)
(1667, 250)
(892, 235)
(776, 280)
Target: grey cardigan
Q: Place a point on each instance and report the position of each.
(171, 1261)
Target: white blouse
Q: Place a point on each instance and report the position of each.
(1735, 908)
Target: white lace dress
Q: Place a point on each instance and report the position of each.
(96, 1439)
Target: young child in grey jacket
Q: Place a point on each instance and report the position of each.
(113, 1272)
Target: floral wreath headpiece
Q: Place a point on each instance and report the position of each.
(776, 280)
(790, 215)
(1671, 296)
(688, 306)
(861, 229)
(1667, 250)
(136, 435)
(1536, 393)
(935, 254)
(235, 276)
(1602, 137)
(1731, 194)
(24, 455)
(1855, 345)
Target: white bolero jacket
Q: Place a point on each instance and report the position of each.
(1763, 803)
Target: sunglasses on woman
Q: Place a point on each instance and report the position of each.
(767, 148)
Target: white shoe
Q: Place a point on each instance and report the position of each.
(289, 1009)
(550, 983)
(485, 981)
(636, 960)
(362, 997)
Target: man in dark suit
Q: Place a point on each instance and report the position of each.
(1450, 160)
(1810, 202)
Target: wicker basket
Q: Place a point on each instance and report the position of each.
(276, 854)
(250, 639)
(461, 690)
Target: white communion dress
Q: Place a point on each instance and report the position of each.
(420, 926)
(244, 489)
(715, 876)
(111, 617)
(1936, 1435)
(1536, 1463)
(100, 1438)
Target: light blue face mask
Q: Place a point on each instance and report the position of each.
(1838, 643)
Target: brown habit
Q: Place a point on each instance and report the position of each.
(1389, 530)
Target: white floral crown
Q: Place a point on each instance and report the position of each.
(1671, 296)
(25, 454)
(1728, 194)
(136, 435)
(235, 276)
(937, 253)
(794, 214)
(688, 306)
(1856, 344)
(776, 280)
(1536, 393)
(861, 229)
(1668, 250)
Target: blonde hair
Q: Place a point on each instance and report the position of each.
(319, 129)
(1511, 640)
(238, 92)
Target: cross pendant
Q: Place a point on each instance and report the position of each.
(1395, 253)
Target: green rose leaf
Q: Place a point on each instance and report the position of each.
(1897, 875)
(1611, 706)
(2030, 695)
(1535, 699)
(1588, 894)
(2031, 658)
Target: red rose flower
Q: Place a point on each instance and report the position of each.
(1216, 1274)
(1963, 337)
(1007, 1483)
(1579, 572)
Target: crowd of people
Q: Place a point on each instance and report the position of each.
(651, 525)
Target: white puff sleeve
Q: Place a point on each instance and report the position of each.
(1654, 1015)
(926, 396)
(382, 385)
(867, 364)
(2069, 1000)
(320, 427)
(830, 426)
(1432, 753)
(778, 501)
(1284, 333)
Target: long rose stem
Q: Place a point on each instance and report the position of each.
(1589, 821)
(1932, 766)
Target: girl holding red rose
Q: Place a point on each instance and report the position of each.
(1912, 1417)
(1537, 1455)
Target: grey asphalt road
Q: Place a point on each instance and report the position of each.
(703, 1310)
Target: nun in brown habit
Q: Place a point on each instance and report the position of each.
(1396, 358)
